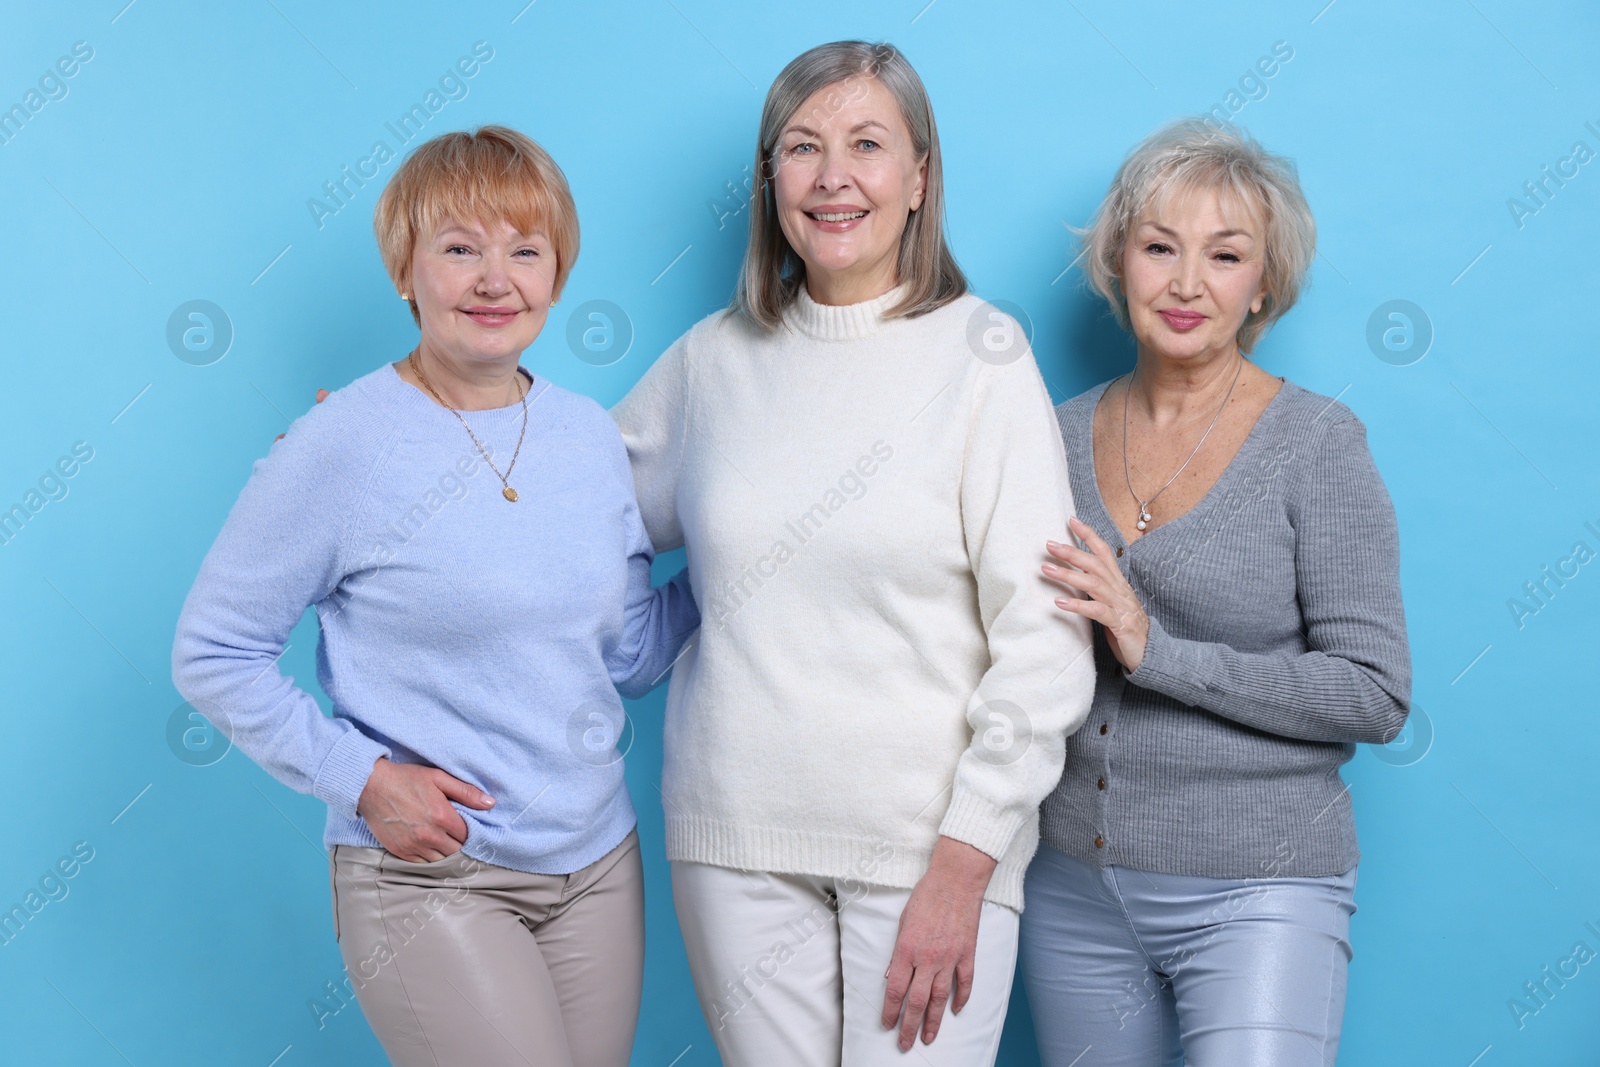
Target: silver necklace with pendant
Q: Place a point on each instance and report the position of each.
(1144, 505)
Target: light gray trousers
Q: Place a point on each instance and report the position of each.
(1129, 968)
(462, 962)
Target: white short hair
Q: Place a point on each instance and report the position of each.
(1203, 154)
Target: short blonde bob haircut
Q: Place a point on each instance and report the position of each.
(773, 272)
(1198, 155)
(489, 176)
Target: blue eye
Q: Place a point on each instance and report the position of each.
(869, 145)
(528, 251)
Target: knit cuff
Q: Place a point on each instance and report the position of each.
(1172, 667)
(983, 825)
(345, 770)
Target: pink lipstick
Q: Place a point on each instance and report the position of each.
(1181, 320)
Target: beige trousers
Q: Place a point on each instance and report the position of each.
(461, 962)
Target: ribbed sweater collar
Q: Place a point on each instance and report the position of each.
(418, 404)
(848, 322)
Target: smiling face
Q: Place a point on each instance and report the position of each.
(1191, 271)
(483, 293)
(848, 178)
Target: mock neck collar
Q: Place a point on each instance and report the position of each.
(836, 322)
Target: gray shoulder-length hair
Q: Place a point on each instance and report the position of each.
(1200, 154)
(773, 273)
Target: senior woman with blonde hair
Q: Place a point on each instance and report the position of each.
(1238, 553)
(469, 537)
(858, 741)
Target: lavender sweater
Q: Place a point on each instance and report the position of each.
(459, 630)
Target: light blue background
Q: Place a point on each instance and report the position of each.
(178, 167)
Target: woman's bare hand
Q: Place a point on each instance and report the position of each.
(407, 808)
(937, 944)
(1107, 598)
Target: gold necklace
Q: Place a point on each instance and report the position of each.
(522, 394)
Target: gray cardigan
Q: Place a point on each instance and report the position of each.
(1277, 641)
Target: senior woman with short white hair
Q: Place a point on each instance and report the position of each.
(857, 743)
(1238, 553)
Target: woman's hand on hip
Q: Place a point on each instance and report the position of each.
(934, 951)
(407, 808)
(1106, 597)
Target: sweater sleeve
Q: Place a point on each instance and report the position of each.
(1014, 496)
(653, 421)
(656, 620)
(1354, 682)
(278, 553)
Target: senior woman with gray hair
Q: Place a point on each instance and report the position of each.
(1238, 553)
(857, 744)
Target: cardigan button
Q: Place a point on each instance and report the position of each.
(1102, 783)
(1105, 728)
(1099, 842)
(1119, 551)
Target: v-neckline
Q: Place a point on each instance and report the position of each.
(1247, 445)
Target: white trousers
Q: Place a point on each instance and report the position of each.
(790, 971)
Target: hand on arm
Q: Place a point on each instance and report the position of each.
(1106, 598)
(932, 965)
(1352, 682)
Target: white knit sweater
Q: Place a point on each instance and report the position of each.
(865, 504)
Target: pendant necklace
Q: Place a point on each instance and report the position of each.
(1144, 505)
(507, 492)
